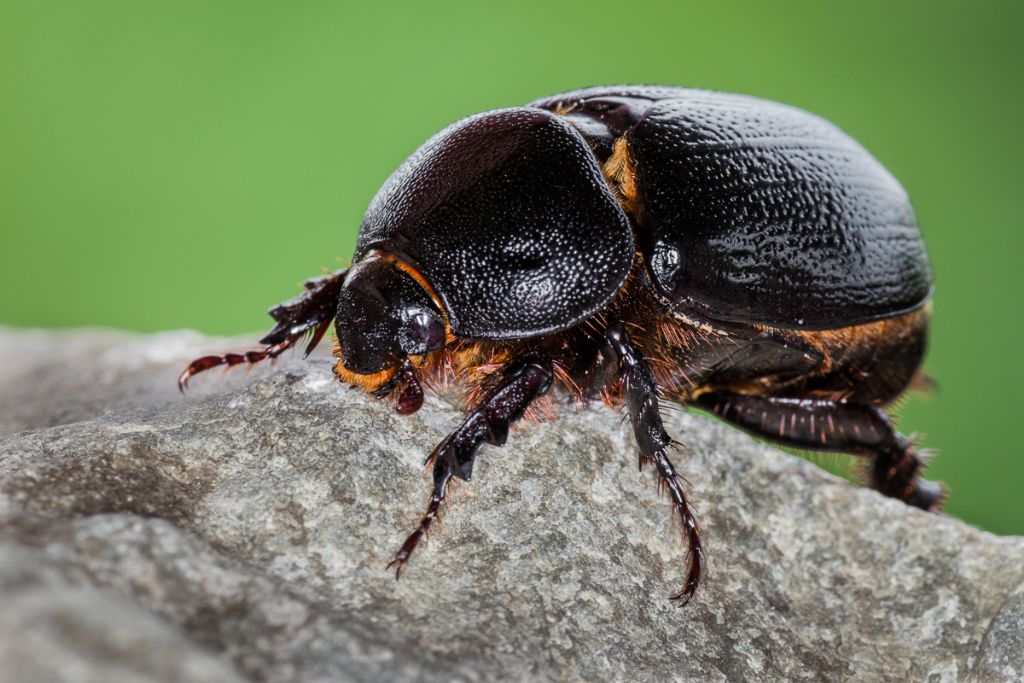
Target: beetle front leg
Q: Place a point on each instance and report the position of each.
(309, 313)
(641, 394)
(489, 422)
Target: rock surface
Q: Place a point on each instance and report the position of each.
(241, 532)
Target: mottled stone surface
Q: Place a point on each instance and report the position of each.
(241, 533)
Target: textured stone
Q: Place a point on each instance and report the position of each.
(241, 533)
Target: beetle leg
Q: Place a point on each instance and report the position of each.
(489, 422)
(232, 359)
(641, 394)
(309, 313)
(823, 424)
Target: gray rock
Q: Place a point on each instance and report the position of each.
(241, 533)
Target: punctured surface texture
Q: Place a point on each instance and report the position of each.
(507, 216)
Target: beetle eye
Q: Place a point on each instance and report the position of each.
(424, 332)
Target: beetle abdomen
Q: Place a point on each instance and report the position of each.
(754, 211)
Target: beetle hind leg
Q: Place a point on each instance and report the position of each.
(895, 470)
(827, 425)
(308, 314)
(489, 422)
(641, 394)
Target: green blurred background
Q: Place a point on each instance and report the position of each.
(186, 164)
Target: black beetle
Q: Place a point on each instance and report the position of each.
(717, 250)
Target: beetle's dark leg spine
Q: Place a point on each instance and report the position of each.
(308, 314)
(823, 424)
(488, 422)
(641, 393)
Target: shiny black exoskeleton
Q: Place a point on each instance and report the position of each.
(721, 251)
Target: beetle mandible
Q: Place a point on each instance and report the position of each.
(720, 251)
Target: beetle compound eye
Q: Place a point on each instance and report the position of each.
(424, 332)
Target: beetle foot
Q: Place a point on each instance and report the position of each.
(895, 472)
(433, 510)
(308, 314)
(923, 493)
(927, 495)
(270, 352)
(670, 481)
(232, 359)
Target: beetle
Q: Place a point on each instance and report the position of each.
(641, 243)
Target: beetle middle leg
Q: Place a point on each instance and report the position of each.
(823, 424)
(489, 422)
(309, 313)
(641, 394)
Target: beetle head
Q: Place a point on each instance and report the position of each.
(384, 316)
